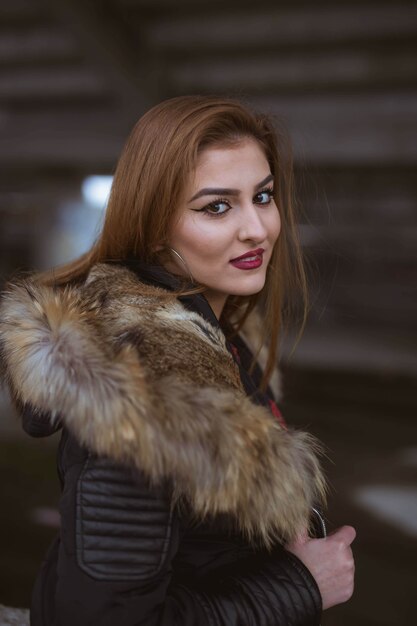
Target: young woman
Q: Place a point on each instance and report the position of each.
(185, 498)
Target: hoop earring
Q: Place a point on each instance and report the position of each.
(184, 264)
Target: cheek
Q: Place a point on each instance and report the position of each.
(202, 239)
(274, 226)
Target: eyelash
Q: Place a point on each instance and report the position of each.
(206, 209)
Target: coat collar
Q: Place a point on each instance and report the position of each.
(139, 378)
(198, 303)
(159, 276)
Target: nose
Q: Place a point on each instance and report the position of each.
(252, 226)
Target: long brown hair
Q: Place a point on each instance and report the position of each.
(149, 180)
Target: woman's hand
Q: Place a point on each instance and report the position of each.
(330, 561)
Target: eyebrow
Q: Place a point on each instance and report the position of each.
(218, 191)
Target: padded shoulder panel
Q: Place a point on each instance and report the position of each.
(123, 526)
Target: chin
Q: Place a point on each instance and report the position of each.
(248, 290)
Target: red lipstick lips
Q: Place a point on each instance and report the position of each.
(250, 260)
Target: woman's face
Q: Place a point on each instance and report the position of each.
(228, 222)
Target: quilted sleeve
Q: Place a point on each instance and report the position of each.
(115, 564)
(273, 590)
(122, 532)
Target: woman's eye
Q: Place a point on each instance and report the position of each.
(218, 207)
(264, 197)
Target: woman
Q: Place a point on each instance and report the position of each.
(185, 499)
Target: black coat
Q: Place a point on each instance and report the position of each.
(129, 553)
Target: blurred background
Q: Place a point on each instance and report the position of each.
(341, 76)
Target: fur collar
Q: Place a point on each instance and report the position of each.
(143, 380)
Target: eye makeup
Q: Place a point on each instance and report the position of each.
(214, 209)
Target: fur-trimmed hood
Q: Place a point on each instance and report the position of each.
(139, 378)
